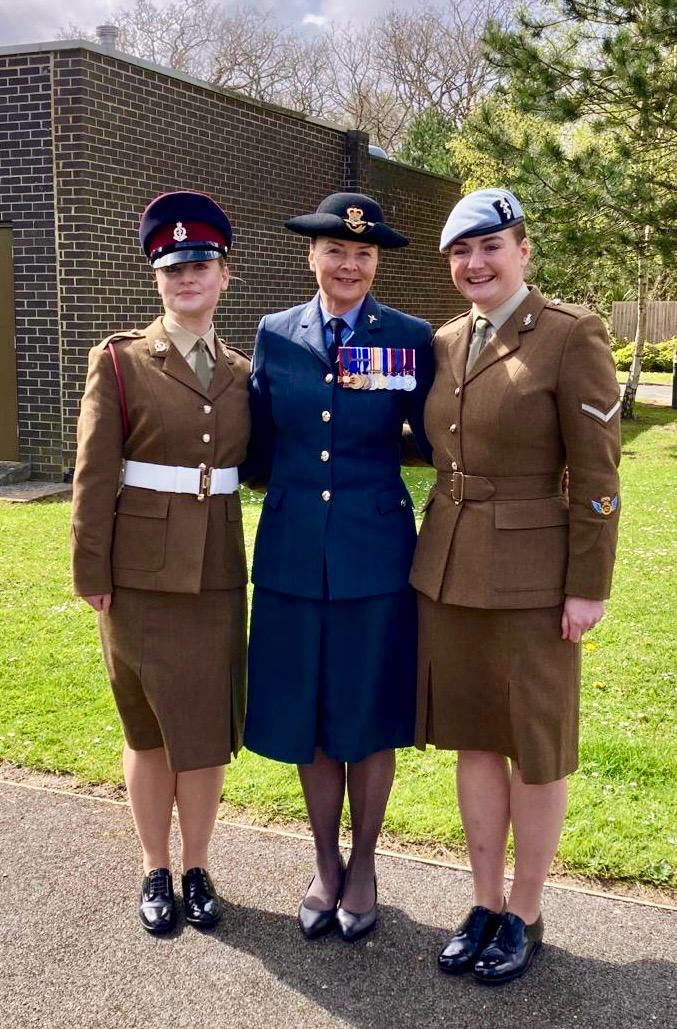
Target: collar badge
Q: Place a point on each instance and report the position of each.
(160, 347)
(372, 318)
(180, 234)
(527, 319)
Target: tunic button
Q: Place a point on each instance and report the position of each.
(206, 437)
(454, 466)
(207, 408)
(452, 428)
(326, 416)
(326, 495)
(329, 377)
(457, 391)
(324, 456)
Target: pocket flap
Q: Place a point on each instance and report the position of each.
(145, 503)
(392, 500)
(273, 497)
(531, 514)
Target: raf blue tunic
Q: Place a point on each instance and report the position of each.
(332, 655)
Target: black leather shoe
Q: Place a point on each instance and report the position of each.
(465, 945)
(353, 926)
(510, 951)
(200, 899)
(316, 923)
(157, 907)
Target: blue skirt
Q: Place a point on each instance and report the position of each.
(335, 674)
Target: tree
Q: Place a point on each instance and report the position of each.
(607, 69)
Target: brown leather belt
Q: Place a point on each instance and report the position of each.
(460, 486)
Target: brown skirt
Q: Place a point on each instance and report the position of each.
(502, 681)
(177, 666)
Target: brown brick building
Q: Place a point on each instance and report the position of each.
(87, 136)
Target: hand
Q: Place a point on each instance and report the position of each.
(579, 615)
(100, 602)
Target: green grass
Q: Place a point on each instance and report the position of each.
(648, 378)
(56, 712)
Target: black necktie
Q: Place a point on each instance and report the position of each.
(336, 325)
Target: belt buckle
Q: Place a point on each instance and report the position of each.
(457, 499)
(205, 481)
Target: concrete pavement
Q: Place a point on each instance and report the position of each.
(72, 955)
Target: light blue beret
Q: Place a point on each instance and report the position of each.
(481, 212)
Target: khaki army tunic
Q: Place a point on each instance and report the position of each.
(524, 511)
(174, 641)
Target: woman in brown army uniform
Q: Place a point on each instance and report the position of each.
(511, 566)
(158, 548)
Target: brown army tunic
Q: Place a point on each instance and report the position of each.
(175, 638)
(503, 541)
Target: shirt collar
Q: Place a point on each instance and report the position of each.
(183, 340)
(500, 314)
(350, 317)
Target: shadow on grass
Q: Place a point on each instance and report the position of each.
(646, 417)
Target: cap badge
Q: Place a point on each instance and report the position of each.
(355, 220)
(605, 505)
(160, 347)
(527, 319)
(504, 209)
(180, 234)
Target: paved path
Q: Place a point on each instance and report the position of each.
(72, 955)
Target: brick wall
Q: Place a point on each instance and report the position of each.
(123, 132)
(27, 204)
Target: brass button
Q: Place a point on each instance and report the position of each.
(452, 428)
(206, 437)
(326, 495)
(329, 377)
(207, 408)
(457, 391)
(326, 416)
(454, 466)
(324, 456)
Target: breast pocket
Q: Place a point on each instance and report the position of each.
(140, 534)
(531, 544)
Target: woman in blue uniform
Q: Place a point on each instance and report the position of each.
(333, 636)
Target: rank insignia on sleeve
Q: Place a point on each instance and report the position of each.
(601, 416)
(605, 505)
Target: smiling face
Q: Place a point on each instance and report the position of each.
(344, 271)
(488, 270)
(190, 290)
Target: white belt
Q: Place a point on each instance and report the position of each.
(201, 482)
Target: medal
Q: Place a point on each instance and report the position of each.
(388, 368)
(399, 382)
(409, 377)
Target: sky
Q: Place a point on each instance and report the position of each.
(34, 21)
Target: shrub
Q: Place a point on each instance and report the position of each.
(656, 357)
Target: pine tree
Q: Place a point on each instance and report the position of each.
(607, 70)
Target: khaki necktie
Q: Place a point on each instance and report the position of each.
(478, 342)
(202, 369)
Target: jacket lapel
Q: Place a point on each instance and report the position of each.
(368, 322)
(456, 339)
(509, 337)
(223, 371)
(312, 330)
